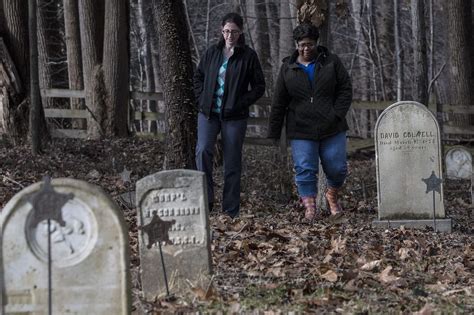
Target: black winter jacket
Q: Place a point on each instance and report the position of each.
(243, 72)
(312, 111)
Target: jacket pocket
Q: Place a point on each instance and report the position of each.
(329, 121)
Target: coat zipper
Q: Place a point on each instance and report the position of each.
(313, 85)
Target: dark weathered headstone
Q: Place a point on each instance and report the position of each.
(84, 266)
(173, 215)
(409, 168)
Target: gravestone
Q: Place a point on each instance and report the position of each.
(173, 215)
(409, 168)
(459, 166)
(458, 163)
(85, 268)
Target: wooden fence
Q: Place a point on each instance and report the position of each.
(361, 117)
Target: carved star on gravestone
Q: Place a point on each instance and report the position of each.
(157, 230)
(433, 183)
(47, 204)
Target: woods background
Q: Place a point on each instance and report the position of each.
(419, 50)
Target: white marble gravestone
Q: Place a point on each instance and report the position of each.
(459, 166)
(172, 210)
(409, 167)
(458, 163)
(89, 252)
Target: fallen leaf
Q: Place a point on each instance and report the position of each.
(338, 245)
(436, 288)
(426, 310)
(404, 253)
(385, 276)
(327, 259)
(200, 293)
(234, 308)
(371, 265)
(330, 276)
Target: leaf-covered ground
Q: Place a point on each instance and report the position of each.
(269, 259)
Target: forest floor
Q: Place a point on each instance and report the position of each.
(269, 260)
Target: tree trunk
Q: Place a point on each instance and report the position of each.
(398, 51)
(420, 73)
(256, 15)
(115, 67)
(272, 10)
(325, 28)
(16, 39)
(287, 44)
(324, 40)
(93, 78)
(460, 61)
(35, 97)
(73, 51)
(44, 31)
(175, 61)
(362, 85)
(471, 40)
(155, 51)
(384, 31)
(146, 14)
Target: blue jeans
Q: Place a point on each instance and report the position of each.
(232, 134)
(306, 155)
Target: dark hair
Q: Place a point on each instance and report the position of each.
(305, 30)
(237, 20)
(233, 18)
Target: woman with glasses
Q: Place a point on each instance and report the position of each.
(313, 91)
(228, 80)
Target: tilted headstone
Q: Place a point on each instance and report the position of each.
(85, 268)
(172, 212)
(409, 168)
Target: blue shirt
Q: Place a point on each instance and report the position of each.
(309, 69)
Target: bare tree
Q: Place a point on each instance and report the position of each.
(35, 99)
(105, 66)
(272, 10)
(15, 109)
(398, 51)
(115, 67)
(45, 31)
(383, 28)
(286, 43)
(145, 12)
(360, 54)
(93, 77)
(73, 50)
(176, 65)
(460, 61)
(420, 73)
(256, 17)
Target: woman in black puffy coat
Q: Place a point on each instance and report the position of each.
(314, 92)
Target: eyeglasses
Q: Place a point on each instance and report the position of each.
(230, 32)
(306, 45)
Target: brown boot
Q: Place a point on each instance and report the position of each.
(309, 204)
(331, 197)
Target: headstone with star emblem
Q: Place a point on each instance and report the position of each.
(409, 168)
(173, 222)
(64, 250)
